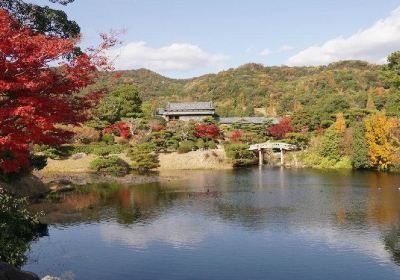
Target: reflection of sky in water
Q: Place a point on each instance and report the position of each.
(176, 229)
(251, 224)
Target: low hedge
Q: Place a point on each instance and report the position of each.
(110, 165)
(68, 150)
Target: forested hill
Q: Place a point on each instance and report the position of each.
(271, 90)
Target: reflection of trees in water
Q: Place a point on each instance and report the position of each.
(351, 201)
(108, 201)
(392, 243)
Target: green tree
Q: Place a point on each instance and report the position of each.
(18, 227)
(331, 144)
(143, 157)
(359, 156)
(391, 72)
(240, 155)
(122, 102)
(390, 75)
(42, 19)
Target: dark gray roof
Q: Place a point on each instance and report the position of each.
(247, 120)
(185, 106)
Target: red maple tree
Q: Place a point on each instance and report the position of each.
(280, 129)
(235, 136)
(40, 77)
(120, 129)
(204, 130)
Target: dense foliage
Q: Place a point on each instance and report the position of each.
(42, 19)
(122, 102)
(240, 155)
(18, 227)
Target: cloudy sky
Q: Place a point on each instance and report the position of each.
(186, 38)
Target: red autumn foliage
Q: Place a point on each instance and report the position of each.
(119, 129)
(35, 95)
(235, 136)
(281, 129)
(206, 131)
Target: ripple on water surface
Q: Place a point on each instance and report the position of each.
(247, 224)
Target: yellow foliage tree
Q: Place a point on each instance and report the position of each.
(340, 124)
(377, 133)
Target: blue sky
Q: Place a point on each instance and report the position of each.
(185, 38)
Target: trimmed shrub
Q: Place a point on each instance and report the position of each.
(57, 152)
(99, 149)
(240, 155)
(172, 145)
(110, 165)
(211, 145)
(144, 157)
(108, 138)
(201, 144)
(186, 146)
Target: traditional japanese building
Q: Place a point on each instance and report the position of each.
(187, 111)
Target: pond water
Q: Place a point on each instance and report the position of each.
(247, 224)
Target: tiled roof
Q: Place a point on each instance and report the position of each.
(185, 106)
(249, 120)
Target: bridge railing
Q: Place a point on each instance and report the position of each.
(273, 145)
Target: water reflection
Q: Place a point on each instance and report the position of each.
(354, 215)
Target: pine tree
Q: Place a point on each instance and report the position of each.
(359, 157)
(331, 145)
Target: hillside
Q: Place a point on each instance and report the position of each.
(273, 90)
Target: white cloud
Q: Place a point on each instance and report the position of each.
(178, 57)
(286, 48)
(372, 44)
(265, 52)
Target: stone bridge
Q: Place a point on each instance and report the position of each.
(271, 146)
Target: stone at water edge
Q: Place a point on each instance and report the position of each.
(25, 186)
(8, 272)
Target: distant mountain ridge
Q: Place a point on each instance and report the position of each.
(278, 89)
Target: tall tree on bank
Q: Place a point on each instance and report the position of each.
(377, 134)
(42, 19)
(359, 155)
(35, 96)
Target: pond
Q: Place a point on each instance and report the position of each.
(246, 224)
